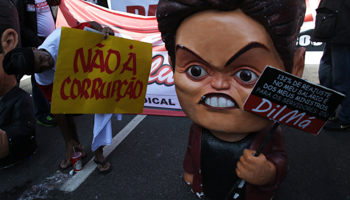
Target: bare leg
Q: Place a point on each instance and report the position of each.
(68, 129)
(4, 144)
(99, 157)
(72, 127)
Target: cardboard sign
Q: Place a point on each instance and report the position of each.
(100, 76)
(292, 101)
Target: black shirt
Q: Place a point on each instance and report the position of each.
(218, 163)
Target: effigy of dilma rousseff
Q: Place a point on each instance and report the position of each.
(218, 49)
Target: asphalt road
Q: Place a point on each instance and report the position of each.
(148, 162)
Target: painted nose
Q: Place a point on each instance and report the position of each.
(220, 82)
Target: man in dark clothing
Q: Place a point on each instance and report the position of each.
(333, 27)
(36, 23)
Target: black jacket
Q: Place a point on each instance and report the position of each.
(28, 22)
(18, 121)
(333, 22)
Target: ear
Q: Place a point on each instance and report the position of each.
(299, 62)
(170, 62)
(9, 40)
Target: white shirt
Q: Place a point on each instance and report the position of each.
(51, 45)
(44, 18)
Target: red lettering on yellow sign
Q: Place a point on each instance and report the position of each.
(96, 60)
(88, 60)
(98, 89)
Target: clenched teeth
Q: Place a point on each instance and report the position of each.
(220, 102)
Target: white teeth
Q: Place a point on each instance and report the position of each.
(214, 102)
(222, 102)
(230, 103)
(207, 101)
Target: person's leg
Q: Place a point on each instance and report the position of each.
(41, 106)
(72, 127)
(325, 72)
(325, 68)
(341, 77)
(4, 144)
(102, 164)
(68, 129)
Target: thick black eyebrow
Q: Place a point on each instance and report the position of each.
(180, 46)
(234, 57)
(245, 49)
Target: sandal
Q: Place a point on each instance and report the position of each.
(100, 165)
(67, 164)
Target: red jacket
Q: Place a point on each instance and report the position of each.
(274, 152)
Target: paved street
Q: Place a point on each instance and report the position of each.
(147, 164)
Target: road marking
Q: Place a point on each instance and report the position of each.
(82, 175)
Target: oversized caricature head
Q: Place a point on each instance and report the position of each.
(219, 48)
(9, 29)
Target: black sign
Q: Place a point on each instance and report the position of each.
(290, 100)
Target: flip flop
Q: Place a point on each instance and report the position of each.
(64, 168)
(70, 165)
(103, 164)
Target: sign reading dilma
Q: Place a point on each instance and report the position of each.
(290, 100)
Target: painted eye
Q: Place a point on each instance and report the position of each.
(246, 75)
(196, 71)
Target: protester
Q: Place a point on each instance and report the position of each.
(218, 49)
(17, 127)
(36, 23)
(48, 51)
(333, 28)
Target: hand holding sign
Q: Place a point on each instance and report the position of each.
(290, 100)
(256, 170)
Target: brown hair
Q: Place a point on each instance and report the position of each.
(282, 20)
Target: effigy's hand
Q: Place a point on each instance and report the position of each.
(188, 178)
(255, 170)
(107, 31)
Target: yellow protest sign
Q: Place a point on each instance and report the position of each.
(100, 76)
